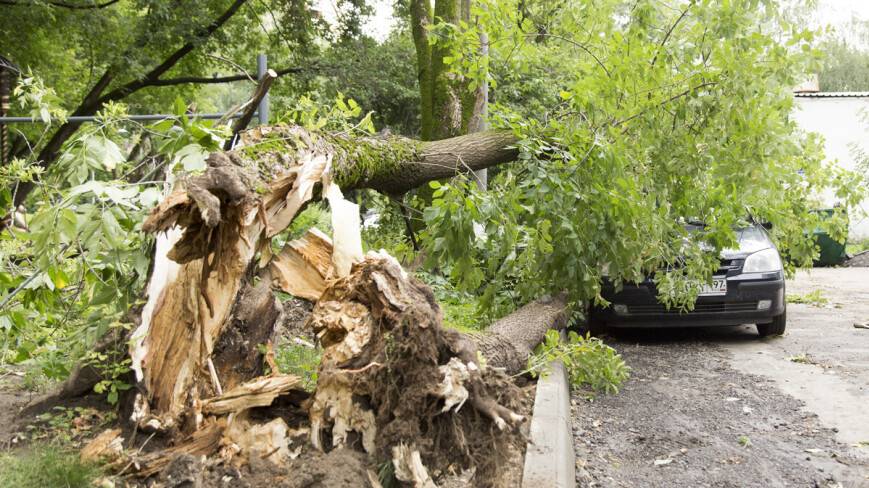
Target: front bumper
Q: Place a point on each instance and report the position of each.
(636, 305)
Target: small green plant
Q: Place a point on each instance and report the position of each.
(386, 475)
(802, 359)
(744, 441)
(814, 298)
(587, 359)
(43, 466)
(300, 359)
(65, 426)
(112, 370)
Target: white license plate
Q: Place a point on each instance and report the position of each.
(718, 287)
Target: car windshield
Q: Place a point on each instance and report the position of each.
(750, 238)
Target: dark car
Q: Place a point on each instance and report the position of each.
(748, 288)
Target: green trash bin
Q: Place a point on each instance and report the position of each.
(832, 252)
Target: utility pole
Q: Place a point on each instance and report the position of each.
(261, 70)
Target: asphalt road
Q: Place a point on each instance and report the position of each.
(720, 407)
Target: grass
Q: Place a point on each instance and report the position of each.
(814, 298)
(802, 359)
(301, 360)
(858, 246)
(459, 308)
(46, 466)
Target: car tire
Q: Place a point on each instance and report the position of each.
(776, 327)
(594, 324)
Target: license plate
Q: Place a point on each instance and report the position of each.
(718, 287)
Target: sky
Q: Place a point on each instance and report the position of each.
(839, 14)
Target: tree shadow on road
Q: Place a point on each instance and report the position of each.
(664, 335)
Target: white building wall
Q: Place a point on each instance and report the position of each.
(842, 121)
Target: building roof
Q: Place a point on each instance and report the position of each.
(860, 94)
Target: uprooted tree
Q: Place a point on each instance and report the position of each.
(391, 375)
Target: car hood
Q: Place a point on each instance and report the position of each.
(751, 239)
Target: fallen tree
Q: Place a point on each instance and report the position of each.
(392, 380)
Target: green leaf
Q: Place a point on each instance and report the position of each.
(103, 152)
(191, 157)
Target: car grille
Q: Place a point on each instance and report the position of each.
(658, 309)
(728, 265)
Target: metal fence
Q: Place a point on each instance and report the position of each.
(262, 112)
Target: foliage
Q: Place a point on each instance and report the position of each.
(73, 268)
(383, 225)
(661, 116)
(315, 215)
(340, 114)
(588, 361)
(857, 246)
(814, 298)
(378, 75)
(43, 466)
(64, 426)
(846, 68)
(460, 309)
(72, 48)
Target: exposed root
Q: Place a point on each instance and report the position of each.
(409, 468)
(418, 390)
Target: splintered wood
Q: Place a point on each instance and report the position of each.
(304, 265)
(260, 392)
(225, 221)
(203, 442)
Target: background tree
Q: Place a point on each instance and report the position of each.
(147, 53)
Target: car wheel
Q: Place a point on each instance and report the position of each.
(595, 325)
(776, 327)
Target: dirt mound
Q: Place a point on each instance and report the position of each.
(338, 468)
(859, 260)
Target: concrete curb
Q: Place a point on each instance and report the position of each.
(549, 457)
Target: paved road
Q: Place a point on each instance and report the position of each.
(719, 407)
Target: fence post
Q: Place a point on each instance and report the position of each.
(261, 68)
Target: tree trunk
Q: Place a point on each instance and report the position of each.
(508, 342)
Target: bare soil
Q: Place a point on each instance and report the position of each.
(858, 260)
(719, 407)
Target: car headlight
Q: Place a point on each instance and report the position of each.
(762, 261)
